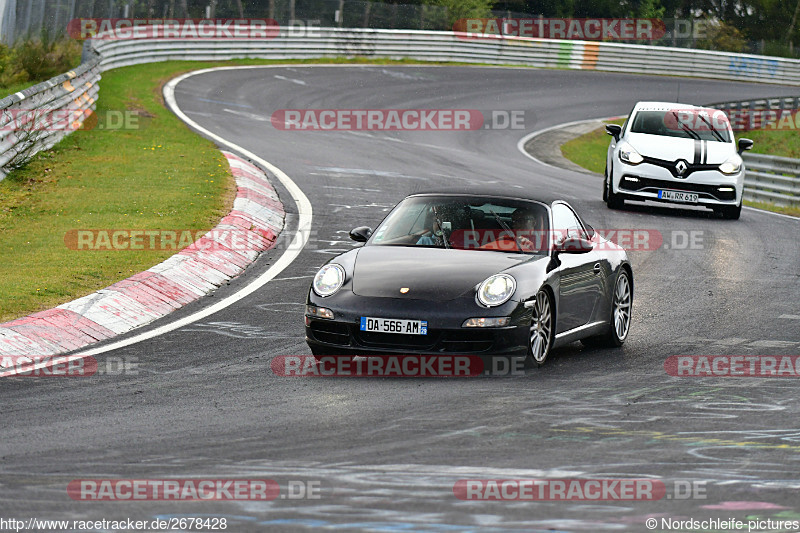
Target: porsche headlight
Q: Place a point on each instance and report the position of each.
(496, 290)
(328, 279)
(628, 155)
(731, 166)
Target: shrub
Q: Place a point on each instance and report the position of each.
(36, 60)
(723, 37)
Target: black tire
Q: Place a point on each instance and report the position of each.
(605, 185)
(620, 322)
(541, 334)
(731, 212)
(613, 200)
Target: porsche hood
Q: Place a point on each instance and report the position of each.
(428, 273)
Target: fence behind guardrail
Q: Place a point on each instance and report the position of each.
(79, 89)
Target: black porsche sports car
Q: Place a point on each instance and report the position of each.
(468, 273)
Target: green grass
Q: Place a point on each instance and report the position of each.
(14, 88)
(589, 151)
(784, 143)
(792, 211)
(160, 176)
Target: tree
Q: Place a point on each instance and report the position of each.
(464, 9)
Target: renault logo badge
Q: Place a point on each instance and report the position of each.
(404, 290)
(680, 167)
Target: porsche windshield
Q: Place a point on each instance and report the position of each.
(466, 223)
(697, 124)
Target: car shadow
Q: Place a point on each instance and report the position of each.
(575, 358)
(670, 211)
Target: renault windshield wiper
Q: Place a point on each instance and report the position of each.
(713, 130)
(693, 134)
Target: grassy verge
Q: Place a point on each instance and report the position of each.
(14, 88)
(157, 176)
(784, 143)
(793, 211)
(35, 60)
(589, 151)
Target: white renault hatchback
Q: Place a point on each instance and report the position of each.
(676, 153)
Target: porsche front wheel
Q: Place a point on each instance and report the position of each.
(541, 331)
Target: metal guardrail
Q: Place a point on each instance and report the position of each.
(772, 179)
(777, 103)
(338, 42)
(101, 55)
(769, 178)
(38, 117)
(450, 46)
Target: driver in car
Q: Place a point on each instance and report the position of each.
(524, 223)
(522, 234)
(433, 237)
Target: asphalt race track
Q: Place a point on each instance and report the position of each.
(387, 452)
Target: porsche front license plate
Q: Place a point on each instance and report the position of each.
(393, 325)
(678, 196)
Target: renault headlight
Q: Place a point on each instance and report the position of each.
(731, 166)
(627, 154)
(328, 280)
(496, 290)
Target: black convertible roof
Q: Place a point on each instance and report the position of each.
(530, 194)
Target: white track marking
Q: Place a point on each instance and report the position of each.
(298, 243)
(762, 211)
(522, 142)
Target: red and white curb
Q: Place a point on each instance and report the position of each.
(257, 215)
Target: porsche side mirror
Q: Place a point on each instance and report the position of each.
(614, 130)
(361, 234)
(744, 144)
(573, 245)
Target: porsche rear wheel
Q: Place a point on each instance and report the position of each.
(620, 322)
(541, 332)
